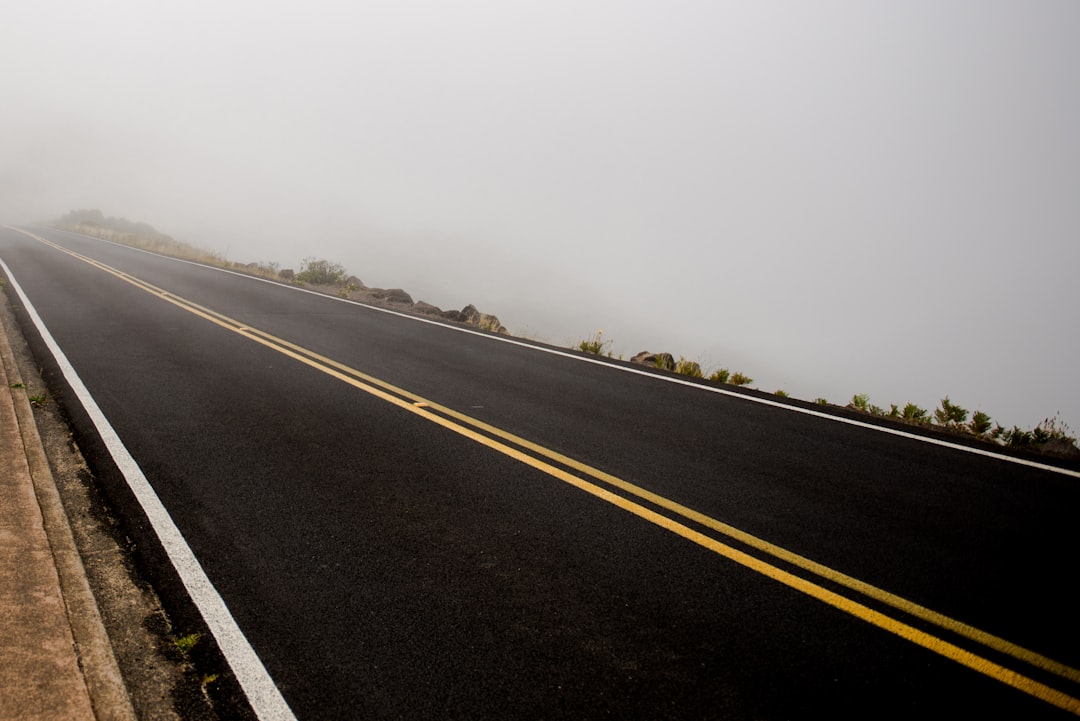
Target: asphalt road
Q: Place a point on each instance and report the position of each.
(512, 532)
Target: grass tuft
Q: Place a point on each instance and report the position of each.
(596, 344)
(187, 643)
(688, 368)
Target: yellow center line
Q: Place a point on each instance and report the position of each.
(458, 422)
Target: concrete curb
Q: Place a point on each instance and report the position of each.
(108, 694)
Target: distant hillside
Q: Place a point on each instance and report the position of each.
(317, 273)
(143, 235)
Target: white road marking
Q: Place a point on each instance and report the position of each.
(635, 371)
(263, 694)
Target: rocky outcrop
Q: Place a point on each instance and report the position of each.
(399, 298)
(426, 308)
(664, 361)
(483, 321)
(393, 295)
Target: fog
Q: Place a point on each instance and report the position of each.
(832, 197)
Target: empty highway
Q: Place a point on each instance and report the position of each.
(407, 519)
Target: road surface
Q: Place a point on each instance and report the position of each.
(405, 519)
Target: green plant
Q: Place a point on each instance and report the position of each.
(1050, 428)
(39, 399)
(596, 344)
(876, 410)
(720, 376)
(980, 423)
(821, 401)
(950, 414)
(739, 379)
(894, 411)
(860, 402)
(1017, 437)
(17, 385)
(187, 643)
(319, 271)
(780, 393)
(913, 414)
(688, 368)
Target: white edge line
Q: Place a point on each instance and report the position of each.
(635, 371)
(265, 698)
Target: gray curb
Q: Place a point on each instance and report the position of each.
(108, 694)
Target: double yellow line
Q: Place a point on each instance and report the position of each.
(631, 498)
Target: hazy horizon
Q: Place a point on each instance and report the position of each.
(834, 198)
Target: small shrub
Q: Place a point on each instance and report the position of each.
(595, 345)
(739, 379)
(860, 402)
(876, 410)
(980, 423)
(780, 393)
(1051, 428)
(821, 401)
(913, 414)
(688, 368)
(720, 376)
(950, 414)
(318, 271)
(1017, 437)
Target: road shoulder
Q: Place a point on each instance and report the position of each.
(132, 666)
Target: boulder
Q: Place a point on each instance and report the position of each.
(426, 308)
(664, 361)
(397, 295)
(355, 282)
(483, 321)
(469, 314)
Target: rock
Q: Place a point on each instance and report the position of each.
(392, 295)
(397, 295)
(483, 321)
(287, 274)
(664, 361)
(454, 315)
(491, 323)
(356, 282)
(1060, 447)
(469, 314)
(427, 308)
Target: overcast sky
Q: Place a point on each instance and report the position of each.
(832, 197)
